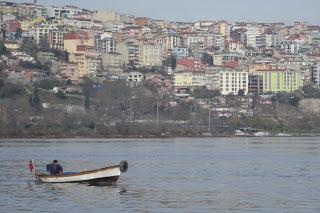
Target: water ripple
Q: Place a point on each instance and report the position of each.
(167, 175)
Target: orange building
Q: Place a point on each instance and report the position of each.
(74, 39)
(142, 21)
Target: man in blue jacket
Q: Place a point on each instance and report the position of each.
(54, 168)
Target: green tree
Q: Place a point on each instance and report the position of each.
(9, 90)
(241, 92)
(1, 83)
(173, 62)
(207, 59)
(170, 61)
(4, 33)
(43, 44)
(34, 99)
(3, 49)
(69, 82)
(30, 47)
(61, 96)
(49, 83)
(87, 102)
(203, 93)
(310, 91)
(18, 34)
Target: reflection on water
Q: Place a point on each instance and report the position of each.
(172, 175)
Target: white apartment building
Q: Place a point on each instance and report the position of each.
(91, 65)
(180, 52)
(106, 42)
(233, 80)
(203, 25)
(107, 45)
(252, 36)
(41, 32)
(195, 39)
(41, 11)
(192, 80)
(62, 12)
(107, 16)
(292, 46)
(172, 41)
(78, 23)
(316, 73)
(218, 41)
(134, 77)
(270, 40)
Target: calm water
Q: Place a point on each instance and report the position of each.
(173, 175)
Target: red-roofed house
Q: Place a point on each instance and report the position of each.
(231, 64)
(12, 26)
(142, 21)
(74, 39)
(190, 64)
(81, 48)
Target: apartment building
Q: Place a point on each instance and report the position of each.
(69, 71)
(233, 80)
(281, 80)
(180, 52)
(191, 80)
(74, 39)
(62, 12)
(56, 39)
(316, 73)
(253, 36)
(8, 8)
(150, 55)
(190, 64)
(134, 78)
(40, 32)
(106, 44)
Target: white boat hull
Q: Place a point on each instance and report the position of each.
(107, 174)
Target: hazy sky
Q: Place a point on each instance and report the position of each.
(190, 10)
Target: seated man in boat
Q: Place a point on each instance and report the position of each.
(54, 168)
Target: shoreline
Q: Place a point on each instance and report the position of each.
(155, 137)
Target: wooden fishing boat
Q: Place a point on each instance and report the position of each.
(104, 175)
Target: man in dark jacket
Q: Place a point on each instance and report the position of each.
(54, 168)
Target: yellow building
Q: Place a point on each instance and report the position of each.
(87, 61)
(223, 28)
(12, 45)
(281, 81)
(266, 67)
(27, 24)
(79, 59)
(8, 8)
(150, 55)
(183, 79)
(309, 38)
(162, 24)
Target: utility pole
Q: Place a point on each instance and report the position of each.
(131, 108)
(157, 110)
(209, 120)
(130, 111)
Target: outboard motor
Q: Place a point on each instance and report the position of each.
(124, 166)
